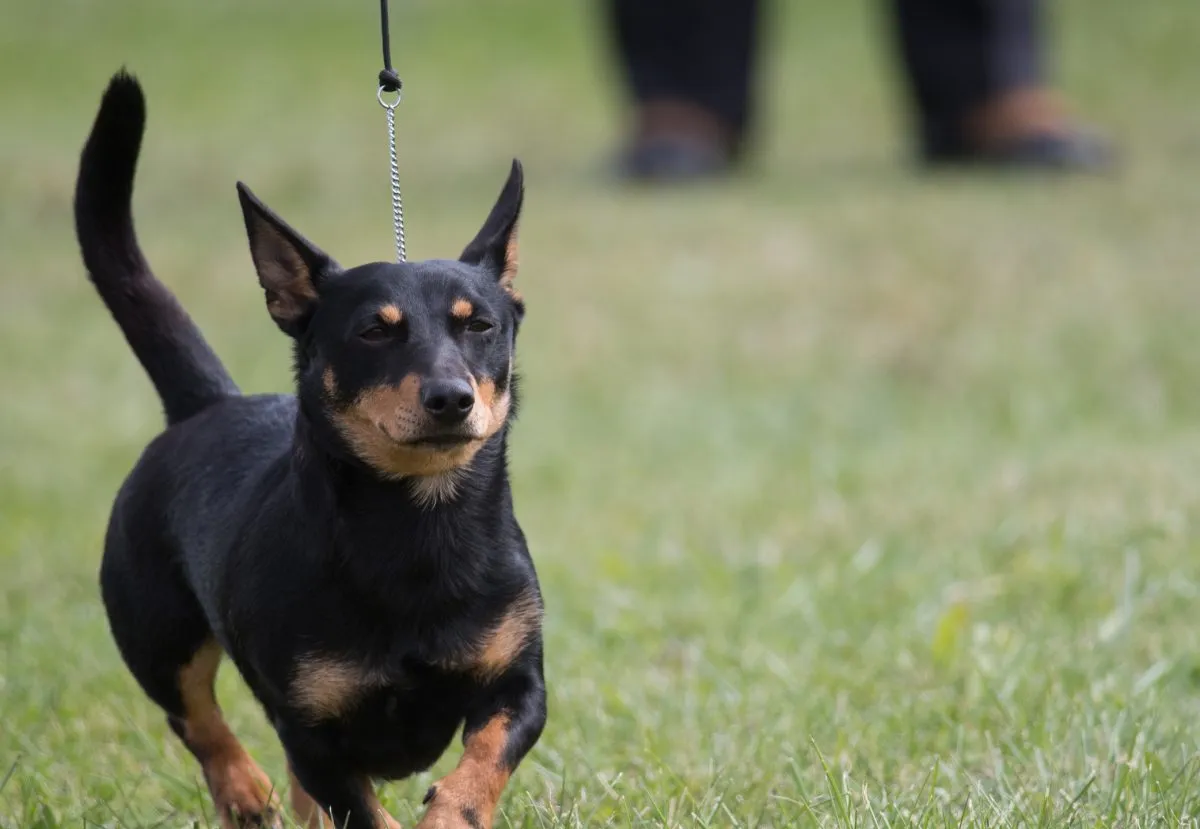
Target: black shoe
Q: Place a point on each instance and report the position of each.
(673, 159)
(1067, 151)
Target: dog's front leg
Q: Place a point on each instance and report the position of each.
(499, 731)
(327, 798)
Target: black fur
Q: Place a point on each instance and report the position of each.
(256, 521)
(184, 369)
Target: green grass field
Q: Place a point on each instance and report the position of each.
(859, 498)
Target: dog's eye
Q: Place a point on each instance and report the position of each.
(478, 326)
(374, 334)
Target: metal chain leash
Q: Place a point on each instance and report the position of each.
(397, 201)
(389, 82)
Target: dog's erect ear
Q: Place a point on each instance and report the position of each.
(290, 268)
(495, 246)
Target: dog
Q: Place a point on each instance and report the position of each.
(351, 548)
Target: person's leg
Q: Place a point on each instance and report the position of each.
(688, 65)
(1016, 57)
(977, 80)
(945, 60)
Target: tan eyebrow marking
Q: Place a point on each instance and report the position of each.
(462, 309)
(390, 314)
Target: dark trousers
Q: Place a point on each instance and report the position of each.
(956, 55)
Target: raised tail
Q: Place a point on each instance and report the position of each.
(185, 371)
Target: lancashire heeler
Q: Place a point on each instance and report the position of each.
(351, 548)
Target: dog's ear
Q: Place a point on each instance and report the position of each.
(495, 246)
(290, 268)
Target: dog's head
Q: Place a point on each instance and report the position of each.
(410, 365)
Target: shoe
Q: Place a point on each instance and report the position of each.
(675, 142)
(1021, 129)
(672, 158)
(1070, 150)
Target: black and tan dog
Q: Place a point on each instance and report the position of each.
(351, 548)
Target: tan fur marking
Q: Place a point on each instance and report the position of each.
(284, 276)
(511, 261)
(240, 790)
(382, 420)
(310, 815)
(325, 688)
(462, 309)
(329, 381)
(485, 392)
(491, 409)
(504, 642)
(384, 402)
(476, 783)
(510, 637)
(390, 314)
(394, 461)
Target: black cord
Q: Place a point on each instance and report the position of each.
(388, 79)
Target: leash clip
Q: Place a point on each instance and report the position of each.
(388, 105)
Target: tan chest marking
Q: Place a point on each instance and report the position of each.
(503, 643)
(325, 687)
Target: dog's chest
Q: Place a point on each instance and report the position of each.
(395, 661)
(387, 723)
(388, 700)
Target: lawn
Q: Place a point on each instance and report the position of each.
(859, 497)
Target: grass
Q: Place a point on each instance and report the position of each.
(859, 498)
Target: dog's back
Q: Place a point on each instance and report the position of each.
(193, 492)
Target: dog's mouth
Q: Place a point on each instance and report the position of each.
(440, 442)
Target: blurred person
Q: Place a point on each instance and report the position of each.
(974, 71)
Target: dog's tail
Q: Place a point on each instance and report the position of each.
(185, 371)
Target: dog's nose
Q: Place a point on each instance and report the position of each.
(449, 401)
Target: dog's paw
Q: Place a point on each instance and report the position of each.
(243, 795)
(449, 816)
(268, 818)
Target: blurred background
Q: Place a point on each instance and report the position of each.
(858, 491)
